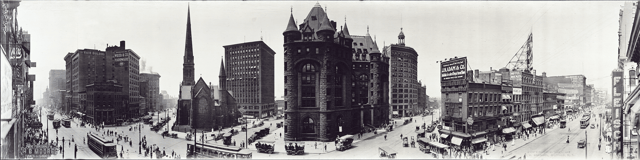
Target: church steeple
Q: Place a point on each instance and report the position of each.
(188, 65)
(223, 76)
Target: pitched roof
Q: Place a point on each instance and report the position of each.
(315, 17)
(345, 31)
(292, 25)
(325, 25)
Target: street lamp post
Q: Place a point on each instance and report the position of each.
(139, 139)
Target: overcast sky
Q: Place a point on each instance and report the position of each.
(569, 38)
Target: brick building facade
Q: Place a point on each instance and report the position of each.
(250, 76)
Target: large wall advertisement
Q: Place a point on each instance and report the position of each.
(455, 69)
(6, 93)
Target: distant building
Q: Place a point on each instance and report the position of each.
(57, 82)
(422, 99)
(250, 77)
(573, 86)
(152, 92)
(115, 65)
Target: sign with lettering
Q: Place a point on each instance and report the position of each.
(97, 53)
(455, 69)
(517, 91)
(617, 88)
(39, 151)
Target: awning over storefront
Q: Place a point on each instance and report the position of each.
(526, 125)
(444, 135)
(479, 133)
(456, 140)
(508, 130)
(504, 96)
(538, 121)
(460, 134)
(439, 145)
(504, 107)
(478, 140)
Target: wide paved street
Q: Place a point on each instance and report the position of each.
(553, 144)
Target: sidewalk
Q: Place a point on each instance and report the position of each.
(499, 154)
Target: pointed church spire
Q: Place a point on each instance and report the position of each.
(188, 65)
(222, 78)
(222, 70)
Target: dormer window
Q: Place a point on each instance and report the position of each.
(313, 18)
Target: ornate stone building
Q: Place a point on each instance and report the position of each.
(326, 93)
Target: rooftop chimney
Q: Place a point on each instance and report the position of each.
(122, 45)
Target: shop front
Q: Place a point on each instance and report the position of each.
(507, 133)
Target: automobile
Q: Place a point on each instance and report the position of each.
(581, 143)
(593, 126)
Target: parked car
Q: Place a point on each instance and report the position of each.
(581, 143)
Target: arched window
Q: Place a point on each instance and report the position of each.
(308, 85)
(308, 125)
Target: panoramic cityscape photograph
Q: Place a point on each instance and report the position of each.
(273, 79)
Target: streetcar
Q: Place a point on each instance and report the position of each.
(66, 123)
(102, 147)
(584, 122)
(208, 150)
(56, 124)
(563, 123)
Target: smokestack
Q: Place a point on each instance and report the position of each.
(122, 45)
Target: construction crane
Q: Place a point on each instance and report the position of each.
(523, 59)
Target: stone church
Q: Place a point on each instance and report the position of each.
(203, 106)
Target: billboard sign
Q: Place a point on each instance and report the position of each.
(455, 69)
(6, 89)
(516, 78)
(517, 91)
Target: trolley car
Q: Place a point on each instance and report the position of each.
(103, 148)
(208, 150)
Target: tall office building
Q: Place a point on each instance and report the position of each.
(404, 77)
(250, 77)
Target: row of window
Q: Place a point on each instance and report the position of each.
(403, 101)
(404, 91)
